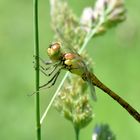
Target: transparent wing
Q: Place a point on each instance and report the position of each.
(66, 42)
(92, 90)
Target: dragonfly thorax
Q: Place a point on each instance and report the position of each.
(74, 63)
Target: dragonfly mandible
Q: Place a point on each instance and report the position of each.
(73, 62)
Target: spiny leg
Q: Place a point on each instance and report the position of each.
(48, 81)
(43, 72)
(50, 63)
(53, 82)
(54, 67)
(53, 79)
(44, 67)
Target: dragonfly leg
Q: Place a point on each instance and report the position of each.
(54, 67)
(43, 72)
(53, 80)
(43, 61)
(44, 68)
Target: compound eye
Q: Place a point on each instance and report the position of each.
(55, 46)
(54, 51)
(69, 56)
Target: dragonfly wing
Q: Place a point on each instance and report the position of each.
(67, 43)
(92, 91)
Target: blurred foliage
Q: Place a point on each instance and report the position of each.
(103, 132)
(116, 56)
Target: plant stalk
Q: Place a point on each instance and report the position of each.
(37, 78)
(77, 132)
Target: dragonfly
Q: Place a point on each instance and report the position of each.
(64, 59)
(71, 61)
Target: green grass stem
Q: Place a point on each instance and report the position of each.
(37, 78)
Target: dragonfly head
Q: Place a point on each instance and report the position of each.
(54, 51)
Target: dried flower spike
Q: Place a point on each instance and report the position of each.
(109, 11)
(73, 102)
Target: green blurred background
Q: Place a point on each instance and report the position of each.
(117, 63)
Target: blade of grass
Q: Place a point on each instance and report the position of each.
(37, 78)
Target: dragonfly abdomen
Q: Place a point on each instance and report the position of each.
(96, 82)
